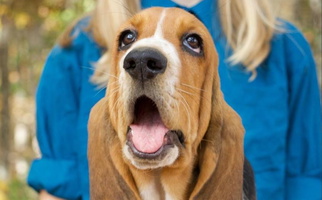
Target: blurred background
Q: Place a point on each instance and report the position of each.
(28, 30)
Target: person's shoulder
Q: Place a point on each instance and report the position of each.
(74, 39)
(291, 43)
(293, 39)
(81, 32)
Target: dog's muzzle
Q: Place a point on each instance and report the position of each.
(150, 143)
(145, 63)
(148, 138)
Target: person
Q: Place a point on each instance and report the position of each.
(267, 73)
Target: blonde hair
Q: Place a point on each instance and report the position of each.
(248, 25)
(105, 21)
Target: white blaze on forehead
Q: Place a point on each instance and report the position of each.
(159, 31)
(157, 41)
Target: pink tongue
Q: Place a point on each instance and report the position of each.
(148, 131)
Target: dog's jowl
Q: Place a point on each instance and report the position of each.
(164, 131)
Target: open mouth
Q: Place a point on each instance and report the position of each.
(148, 137)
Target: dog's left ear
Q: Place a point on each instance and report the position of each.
(220, 154)
(221, 159)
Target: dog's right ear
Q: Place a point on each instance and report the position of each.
(109, 175)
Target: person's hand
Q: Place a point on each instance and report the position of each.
(44, 195)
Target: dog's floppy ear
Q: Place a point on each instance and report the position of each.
(109, 176)
(220, 154)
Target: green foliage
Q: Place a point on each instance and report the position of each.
(33, 27)
(28, 30)
(18, 190)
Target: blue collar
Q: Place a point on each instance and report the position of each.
(206, 11)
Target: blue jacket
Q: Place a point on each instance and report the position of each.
(280, 110)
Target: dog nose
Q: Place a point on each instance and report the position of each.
(145, 63)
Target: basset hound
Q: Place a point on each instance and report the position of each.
(163, 130)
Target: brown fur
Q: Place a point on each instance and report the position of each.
(211, 164)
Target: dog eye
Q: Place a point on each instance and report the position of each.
(126, 38)
(193, 43)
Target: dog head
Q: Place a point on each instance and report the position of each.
(164, 110)
(161, 86)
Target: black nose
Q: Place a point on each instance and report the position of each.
(145, 63)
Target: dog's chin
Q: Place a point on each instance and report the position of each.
(166, 155)
(150, 143)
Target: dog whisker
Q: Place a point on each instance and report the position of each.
(99, 91)
(193, 96)
(184, 91)
(116, 103)
(115, 81)
(110, 75)
(101, 71)
(187, 111)
(186, 106)
(112, 92)
(91, 68)
(192, 87)
(195, 88)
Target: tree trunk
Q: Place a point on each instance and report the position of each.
(5, 136)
